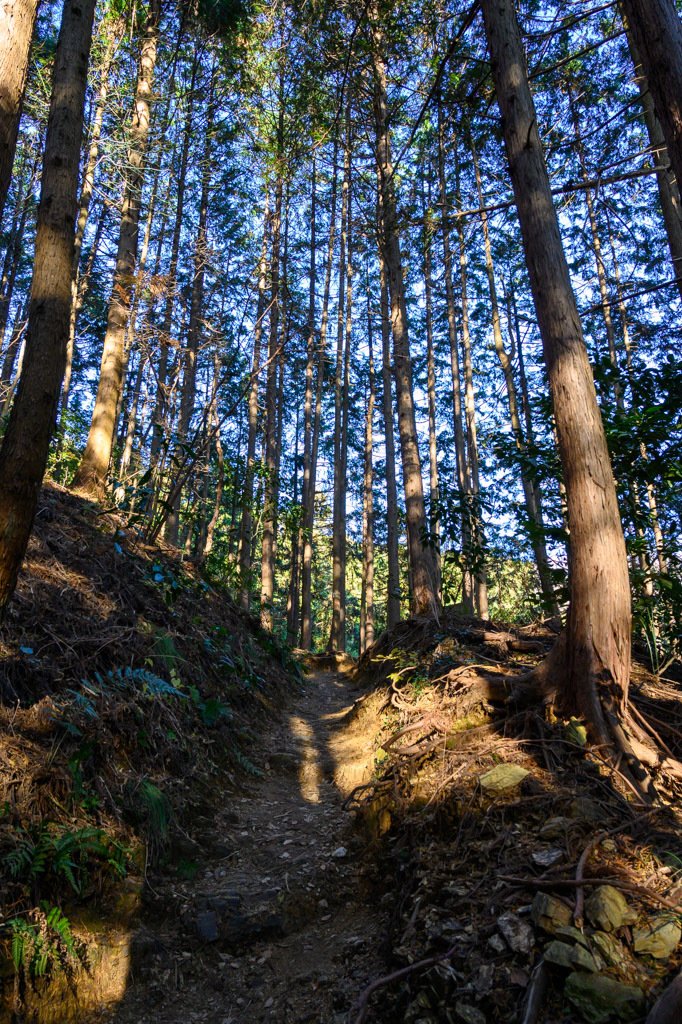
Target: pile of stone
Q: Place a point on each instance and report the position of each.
(604, 963)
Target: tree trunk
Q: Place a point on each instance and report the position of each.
(113, 36)
(162, 390)
(306, 569)
(462, 472)
(477, 554)
(434, 489)
(656, 31)
(393, 579)
(308, 487)
(17, 18)
(424, 594)
(25, 445)
(590, 665)
(196, 307)
(668, 192)
(92, 473)
(367, 596)
(246, 527)
(271, 482)
(337, 636)
(529, 491)
(12, 259)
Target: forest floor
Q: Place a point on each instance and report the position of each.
(278, 924)
(235, 834)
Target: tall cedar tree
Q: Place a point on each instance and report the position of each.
(23, 455)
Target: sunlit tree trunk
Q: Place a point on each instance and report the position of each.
(309, 520)
(393, 577)
(113, 31)
(462, 472)
(23, 454)
(668, 192)
(424, 593)
(655, 29)
(589, 667)
(17, 18)
(367, 595)
(477, 554)
(529, 491)
(92, 473)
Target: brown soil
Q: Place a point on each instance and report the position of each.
(278, 924)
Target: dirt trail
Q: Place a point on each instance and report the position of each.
(276, 925)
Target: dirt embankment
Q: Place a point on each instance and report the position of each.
(517, 857)
(133, 693)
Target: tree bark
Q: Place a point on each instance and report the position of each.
(162, 389)
(424, 594)
(246, 526)
(393, 578)
(656, 31)
(590, 665)
(23, 455)
(189, 359)
(17, 18)
(434, 488)
(271, 481)
(367, 595)
(461, 467)
(306, 569)
(91, 475)
(337, 636)
(529, 491)
(476, 553)
(113, 36)
(668, 192)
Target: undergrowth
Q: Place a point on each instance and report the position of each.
(131, 688)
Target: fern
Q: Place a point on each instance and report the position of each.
(44, 943)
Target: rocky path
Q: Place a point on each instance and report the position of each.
(276, 925)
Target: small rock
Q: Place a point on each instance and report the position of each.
(497, 944)
(501, 778)
(470, 1014)
(610, 948)
(549, 913)
(600, 999)
(518, 934)
(585, 809)
(339, 852)
(658, 937)
(608, 909)
(571, 934)
(483, 980)
(545, 858)
(207, 926)
(555, 828)
(571, 957)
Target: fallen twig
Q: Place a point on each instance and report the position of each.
(363, 1000)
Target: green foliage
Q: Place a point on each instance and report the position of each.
(149, 807)
(43, 943)
(48, 851)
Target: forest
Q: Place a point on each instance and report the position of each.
(345, 334)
